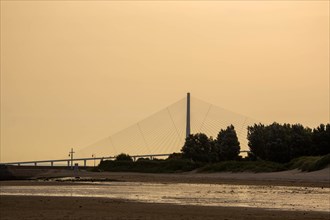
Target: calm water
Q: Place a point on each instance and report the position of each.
(272, 197)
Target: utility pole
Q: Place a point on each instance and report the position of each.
(71, 154)
(188, 116)
(93, 155)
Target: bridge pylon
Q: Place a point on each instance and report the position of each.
(188, 116)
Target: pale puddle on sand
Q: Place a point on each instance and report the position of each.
(270, 197)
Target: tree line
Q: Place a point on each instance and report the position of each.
(282, 143)
(199, 147)
(275, 142)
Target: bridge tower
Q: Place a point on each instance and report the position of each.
(188, 116)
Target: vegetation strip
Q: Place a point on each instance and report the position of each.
(273, 147)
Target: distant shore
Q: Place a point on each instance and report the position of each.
(319, 178)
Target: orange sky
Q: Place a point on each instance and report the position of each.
(75, 72)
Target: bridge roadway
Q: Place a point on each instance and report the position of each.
(79, 159)
(151, 156)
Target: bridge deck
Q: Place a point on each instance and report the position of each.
(86, 159)
(79, 159)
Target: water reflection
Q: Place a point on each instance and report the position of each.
(272, 197)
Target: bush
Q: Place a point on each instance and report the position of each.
(143, 158)
(149, 166)
(123, 157)
(321, 163)
(184, 165)
(174, 156)
(310, 163)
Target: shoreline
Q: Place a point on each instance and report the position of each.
(319, 178)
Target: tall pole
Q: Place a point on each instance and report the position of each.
(71, 154)
(94, 158)
(188, 116)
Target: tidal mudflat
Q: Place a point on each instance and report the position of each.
(255, 196)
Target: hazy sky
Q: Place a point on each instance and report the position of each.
(75, 72)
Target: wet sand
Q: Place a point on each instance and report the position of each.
(28, 207)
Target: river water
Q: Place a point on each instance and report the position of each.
(269, 197)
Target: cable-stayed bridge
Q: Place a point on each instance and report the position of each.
(163, 132)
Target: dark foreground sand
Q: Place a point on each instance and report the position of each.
(27, 207)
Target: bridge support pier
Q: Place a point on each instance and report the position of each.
(68, 163)
(52, 163)
(85, 163)
(35, 164)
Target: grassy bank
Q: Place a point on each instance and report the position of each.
(182, 165)
(310, 163)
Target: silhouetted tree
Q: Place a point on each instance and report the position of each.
(277, 146)
(281, 143)
(300, 141)
(270, 142)
(257, 140)
(321, 140)
(227, 145)
(198, 147)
